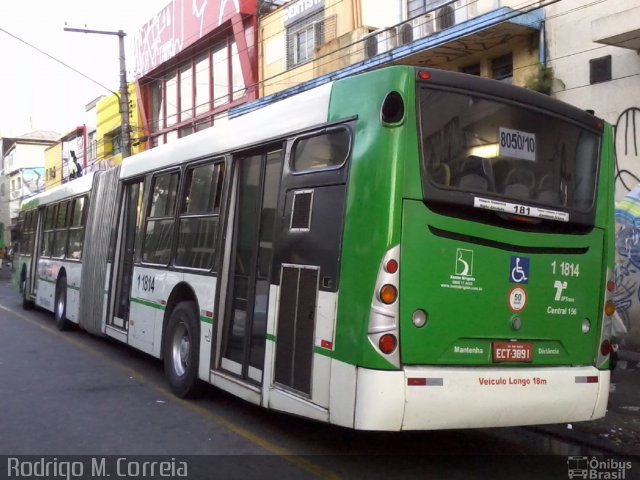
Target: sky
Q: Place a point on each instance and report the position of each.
(36, 92)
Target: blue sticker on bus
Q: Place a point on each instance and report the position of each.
(519, 270)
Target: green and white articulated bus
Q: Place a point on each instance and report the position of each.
(404, 249)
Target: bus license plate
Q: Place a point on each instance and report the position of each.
(512, 352)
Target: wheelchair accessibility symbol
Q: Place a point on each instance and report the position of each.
(519, 270)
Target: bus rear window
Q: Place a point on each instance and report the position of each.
(483, 147)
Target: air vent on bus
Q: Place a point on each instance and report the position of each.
(301, 210)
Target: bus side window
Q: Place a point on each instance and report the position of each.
(28, 232)
(326, 151)
(199, 216)
(76, 228)
(60, 237)
(48, 234)
(160, 219)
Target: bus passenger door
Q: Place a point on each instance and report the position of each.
(254, 202)
(307, 262)
(129, 226)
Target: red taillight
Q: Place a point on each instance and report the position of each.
(611, 286)
(391, 266)
(388, 294)
(605, 348)
(387, 343)
(424, 75)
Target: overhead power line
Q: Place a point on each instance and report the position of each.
(39, 50)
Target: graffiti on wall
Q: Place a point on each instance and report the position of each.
(180, 24)
(627, 274)
(627, 145)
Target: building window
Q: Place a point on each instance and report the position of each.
(157, 105)
(184, 99)
(600, 70)
(415, 7)
(114, 139)
(502, 68)
(303, 37)
(471, 69)
(171, 97)
(92, 154)
(186, 92)
(202, 86)
(418, 7)
(220, 78)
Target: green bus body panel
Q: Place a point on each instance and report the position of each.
(374, 199)
(466, 313)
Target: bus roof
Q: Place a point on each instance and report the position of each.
(291, 114)
(66, 190)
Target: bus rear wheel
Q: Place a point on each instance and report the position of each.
(182, 350)
(60, 306)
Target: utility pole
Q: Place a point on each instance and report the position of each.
(124, 91)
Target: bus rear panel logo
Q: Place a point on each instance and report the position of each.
(464, 262)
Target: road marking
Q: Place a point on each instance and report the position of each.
(251, 437)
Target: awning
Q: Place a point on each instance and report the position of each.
(621, 29)
(475, 36)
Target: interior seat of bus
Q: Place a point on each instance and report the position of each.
(475, 173)
(519, 183)
(545, 191)
(441, 175)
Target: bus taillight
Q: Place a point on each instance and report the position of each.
(388, 343)
(388, 294)
(391, 266)
(605, 329)
(609, 308)
(384, 316)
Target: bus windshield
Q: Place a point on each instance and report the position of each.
(523, 156)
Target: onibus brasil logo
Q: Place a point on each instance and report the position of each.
(597, 468)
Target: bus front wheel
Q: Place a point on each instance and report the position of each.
(60, 306)
(182, 350)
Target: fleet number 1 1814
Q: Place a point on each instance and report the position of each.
(566, 269)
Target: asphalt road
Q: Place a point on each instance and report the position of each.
(69, 393)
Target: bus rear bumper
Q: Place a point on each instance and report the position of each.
(430, 398)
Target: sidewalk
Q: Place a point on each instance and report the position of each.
(619, 431)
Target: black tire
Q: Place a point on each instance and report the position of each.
(26, 303)
(182, 350)
(60, 304)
